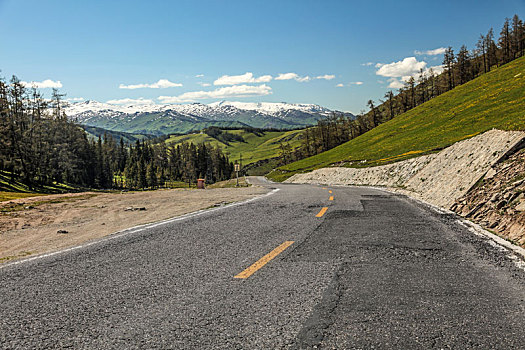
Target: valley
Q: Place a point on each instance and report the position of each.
(256, 145)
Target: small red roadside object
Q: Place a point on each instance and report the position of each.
(201, 184)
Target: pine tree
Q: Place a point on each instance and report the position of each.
(491, 48)
(481, 46)
(464, 65)
(448, 63)
(162, 176)
(152, 176)
(505, 42)
(517, 37)
(142, 176)
(373, 110)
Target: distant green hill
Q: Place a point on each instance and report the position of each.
(493, 100)
(257, 146)
(95, 132)
(158, 123)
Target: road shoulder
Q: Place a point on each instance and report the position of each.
(55, 225)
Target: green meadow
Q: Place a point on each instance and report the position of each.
(256, 146)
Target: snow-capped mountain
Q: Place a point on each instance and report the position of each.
(95, 106)
(181, 118)
(273, 108)
(195, 108)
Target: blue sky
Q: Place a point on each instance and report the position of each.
(296, 51)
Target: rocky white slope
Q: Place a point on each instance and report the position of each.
(439, 178)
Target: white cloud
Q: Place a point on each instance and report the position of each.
(326, 77)
(437, 69)
(294, 76)
(199, 75)
(367, 64)
(407, 67)
(395, 83)
(351, 83)
(438, 51)
(398, 82)
(130, 101)
(401, 71)
(225, 92)
(303, 79)
(161, 84)
(46, 84)
(204, 84)
(287, 76)
(242, 79)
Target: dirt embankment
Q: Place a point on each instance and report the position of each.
(445, 177)
(31, 225)
(497, 202)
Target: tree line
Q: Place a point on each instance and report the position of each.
(40, 146)
(458, 68)
(153, 165)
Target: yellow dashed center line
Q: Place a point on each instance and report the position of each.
(264, 260)
(321, 213)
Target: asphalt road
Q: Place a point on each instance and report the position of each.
(372, 271)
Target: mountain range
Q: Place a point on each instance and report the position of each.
(183, 118)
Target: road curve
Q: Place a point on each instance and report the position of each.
(296, 269)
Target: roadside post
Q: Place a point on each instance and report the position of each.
(237, 168)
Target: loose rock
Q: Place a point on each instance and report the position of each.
(520, 207)
(134, 209)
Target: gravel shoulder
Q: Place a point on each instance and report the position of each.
(30, 226)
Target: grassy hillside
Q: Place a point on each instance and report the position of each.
(257, 146)
(493, 100)
(14, 188)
